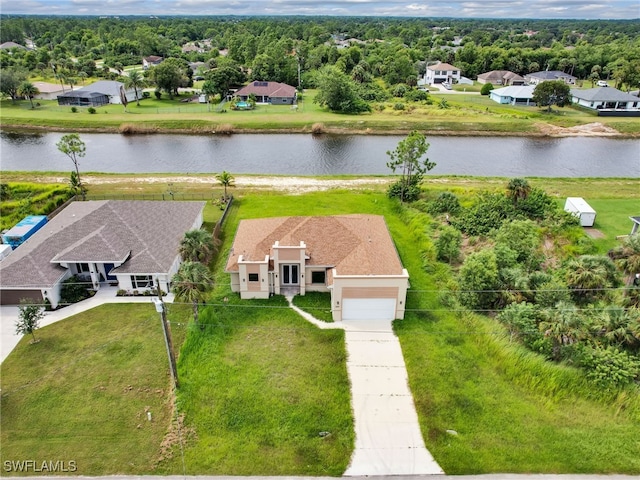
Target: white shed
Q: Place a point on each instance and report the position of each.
(581, 209)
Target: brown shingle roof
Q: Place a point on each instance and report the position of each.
(267, 89)
(442, 67)
(102, 231)
(354, 244)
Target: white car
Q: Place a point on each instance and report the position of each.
(602, 83)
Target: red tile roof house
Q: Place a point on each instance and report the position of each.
(132, 243)
(269, 92)
(351, 256)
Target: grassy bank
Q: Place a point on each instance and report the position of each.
(466, 114)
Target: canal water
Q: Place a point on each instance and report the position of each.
(298, 154)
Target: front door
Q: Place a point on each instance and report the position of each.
(290, 274)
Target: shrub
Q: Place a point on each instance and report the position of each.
(409, 192)
(158, 94)
(398, 106)
(91, 110)
(74, 289)
(446, 202)
(146, 95)
(448, 244)
(550, 293)
(486, 88)
(521, 320)
(400, 90)
(74, 109)
(488, 213)
(609, 367)
(479, 280)
(416, 95)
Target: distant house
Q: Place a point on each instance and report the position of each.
(537, 77)
(514, 95)
(95, 94)
(501, 77)
(441, 73)
(151, 61)
(269, 92)
(50, 91)
(10, 45)
(131, 243)
(607, 101)
(350, 256)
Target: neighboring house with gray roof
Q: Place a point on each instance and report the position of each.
(351, 256)
(501, 77)
(546, 75)
(131, 243)
(607, 100)
(111, 88)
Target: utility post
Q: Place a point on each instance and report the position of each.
(167, 335)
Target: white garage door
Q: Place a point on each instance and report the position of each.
(368, 309)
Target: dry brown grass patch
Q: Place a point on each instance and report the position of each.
(226, 128)
(135, 128)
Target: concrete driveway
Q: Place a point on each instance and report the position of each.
(388, 436)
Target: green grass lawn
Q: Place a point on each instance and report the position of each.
(612, 219)
(82, 393)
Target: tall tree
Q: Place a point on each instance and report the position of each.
(552, 92)
(408, 158)
(10, 81)
(29, 318)
(226, 180)
(136, 81)
(74, 148)
(191, 283)
(29, 90)
(337, 91)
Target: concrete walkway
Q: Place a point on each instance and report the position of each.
(9, 315)
(388, 436)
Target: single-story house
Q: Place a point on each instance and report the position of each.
(269, 92)
(151, 61)
(501, 77)
(83, 98)
(441, 73)
(131, 243)
(351, 256)
(10, 45)
(108, 88)
(50, 91)
(514, 95)
(537, 77)
(606, 100)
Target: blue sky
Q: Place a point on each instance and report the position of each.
(582, 9)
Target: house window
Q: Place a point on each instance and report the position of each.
(83, 268)
(253, 277)
(318, 277)
(141, 281)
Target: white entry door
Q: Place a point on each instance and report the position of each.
(368, 308)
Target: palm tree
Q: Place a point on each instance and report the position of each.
(136, 81)
(29, 90)
(563, 325)
(83, 76)
(518, 189)
(589, 276)
(197, 246)
(627, 256)
(226, 180)
(191, 283)
(616, 325)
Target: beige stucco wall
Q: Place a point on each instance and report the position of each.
(251, 289)
(369, 286)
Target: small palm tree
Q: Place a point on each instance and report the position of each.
(564, 326)
(191, 283)
(518, 189)
(136, 81)
(29, 90)
(197, 246)
(226, 180)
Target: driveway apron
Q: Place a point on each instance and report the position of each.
(388, 437)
